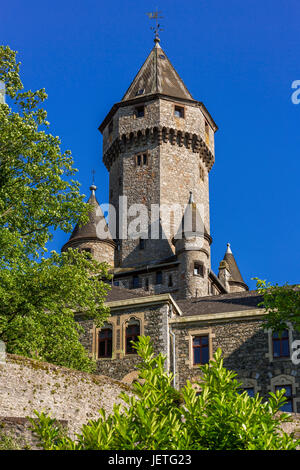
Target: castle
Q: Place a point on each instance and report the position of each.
(158, 147)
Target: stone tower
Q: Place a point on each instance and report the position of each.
(158, 145)
(86, 237)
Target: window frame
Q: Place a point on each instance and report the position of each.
(137, 111)
(189, 338)
(179, 109)
(198, 264)
(281, 348)
(200, 347)
(105, 341)
(133, 337)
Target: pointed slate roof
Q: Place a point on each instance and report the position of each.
(157, 75)
(192, 222)
(89, 230)
(233, 267)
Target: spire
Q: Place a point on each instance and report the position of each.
(233, 267)
(89, 230)
(157, 75)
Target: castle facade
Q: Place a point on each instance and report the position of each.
(158, 147)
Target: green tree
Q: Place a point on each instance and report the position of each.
(282, 305)
(158, 417)
(40, 293)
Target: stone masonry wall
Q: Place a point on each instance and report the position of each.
(72, 396)
(246, 350)
(153, 322)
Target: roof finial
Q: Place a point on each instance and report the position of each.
(154, 16)
(93, 187)
(228, 248)
(191, 198)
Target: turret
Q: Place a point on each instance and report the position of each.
(192, 247)
(94, 236)
(229, 273)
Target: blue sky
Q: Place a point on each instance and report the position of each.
(238, 57)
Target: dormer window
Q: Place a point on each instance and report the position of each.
(140, 92)
(140, 111)
(179, 111)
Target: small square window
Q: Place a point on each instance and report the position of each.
(140, 111)
(198, 269)
(179, 111)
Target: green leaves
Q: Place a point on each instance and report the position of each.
(157, 417)
(282, 304)
(38, 296)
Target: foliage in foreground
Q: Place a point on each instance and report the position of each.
(282, 304)
(157, 417)
(39, 293)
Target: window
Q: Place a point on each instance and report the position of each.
(140, 92)
(135, 282)
(281, 347)
(179, 111)
(86, 250)
(145, 159)
(288, 406)
(146, 283)
(139, 160)
(110, 127)
(140, 111)
(170, 280)
(201, 172)
(200, 350)
(250, 391)
(120, 180)
(105, 342)
(158, 277)
(198, 269)
(142, 243)
(206, 132)
(132, 333)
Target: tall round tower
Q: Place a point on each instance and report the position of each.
(89, 238)
(192, 247)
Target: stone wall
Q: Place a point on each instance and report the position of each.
(122, 366)
(247, 350)
(68, 395)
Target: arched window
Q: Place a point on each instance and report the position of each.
(105, 341)
(132, 333)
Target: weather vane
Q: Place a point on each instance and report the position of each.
(155, 16)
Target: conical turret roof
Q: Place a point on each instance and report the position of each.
(89, 230)
(157, 75)
(232, 265)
